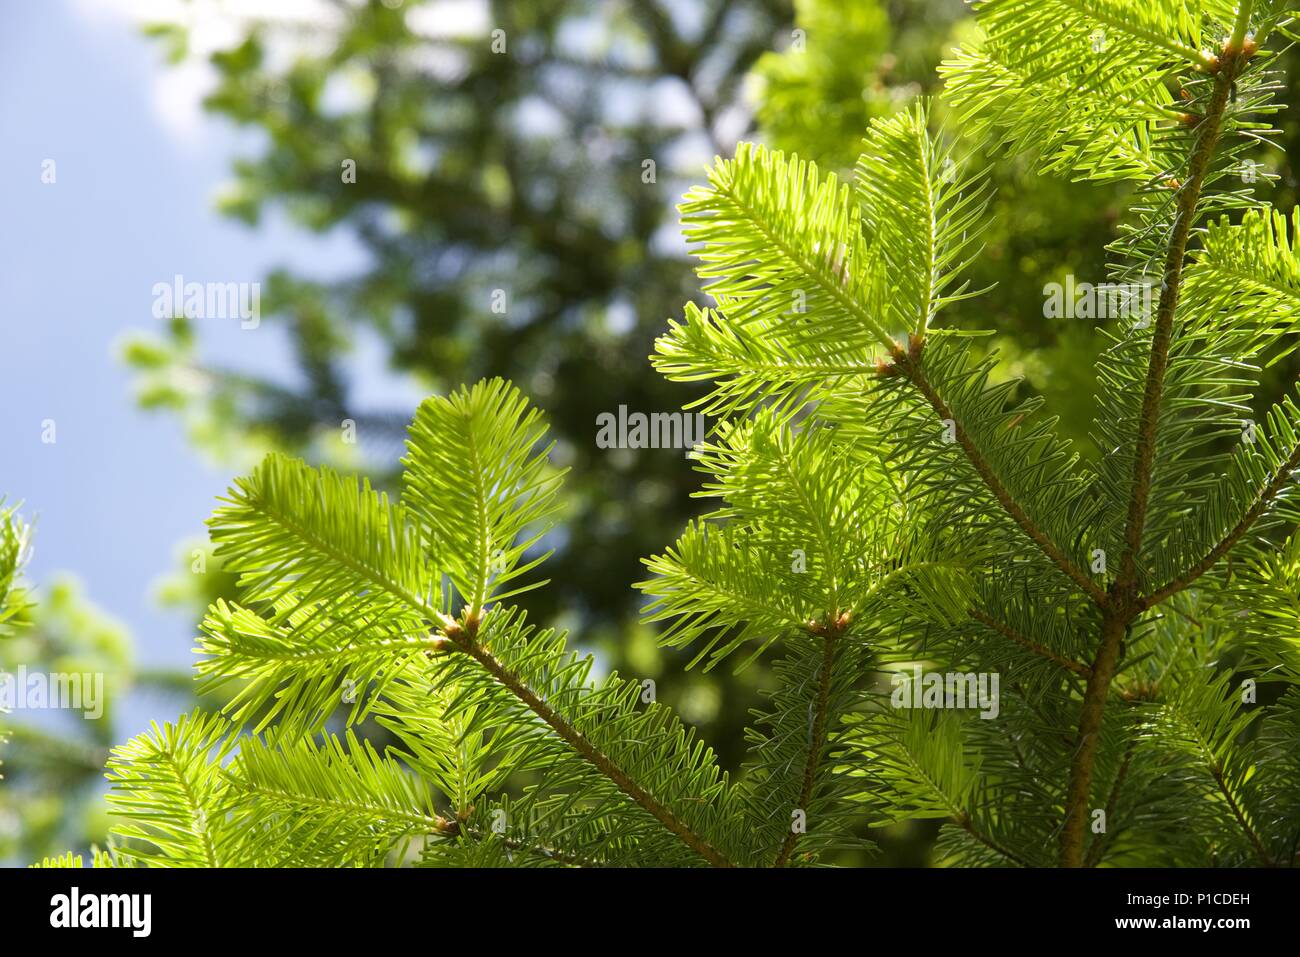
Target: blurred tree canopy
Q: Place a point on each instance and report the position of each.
(514, 193)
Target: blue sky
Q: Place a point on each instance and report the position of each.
(137, 166)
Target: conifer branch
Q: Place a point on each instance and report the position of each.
(1189, 196)
(911, 368)
(830, 635)
(1216, 769)
(1046, 720)
(464, 636)
(1125, 603)
(315, 542)
(1086, 740)
(1226, 544)
(544, 851)
(418, 823)
(340, 586)
(1041, 650)
(963, 820)
(194, 809)
(1112, 802)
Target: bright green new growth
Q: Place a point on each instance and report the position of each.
(13, 548)
(1132, 689)
(883, 503)
(508, 752)
(1139, 688)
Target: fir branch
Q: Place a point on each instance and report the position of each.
(13, 552)
(1099, 846)
(963, 820)
(479, 482)
(1042, 651)
(1216, 770)
(1149, 421)
(1085, 752)
(817, 745)
(168, 795)
(911, 368)
(812, 281)
(415, 823)
(464, 636)
(543, 851)
(1125, 603)
(1235, 535)
(1201, 718)
(1146, 29)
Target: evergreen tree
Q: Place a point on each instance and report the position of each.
(885, 505)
